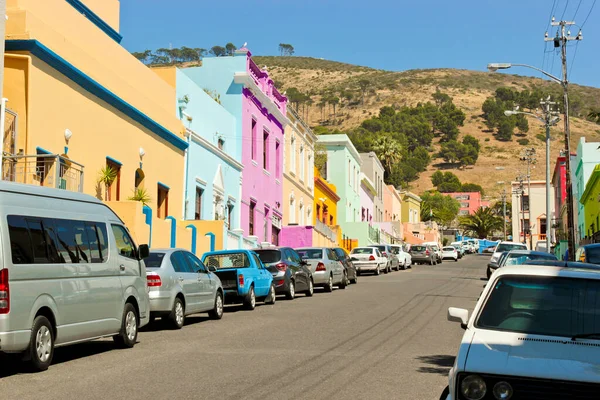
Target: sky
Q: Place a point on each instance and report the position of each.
(394, 35)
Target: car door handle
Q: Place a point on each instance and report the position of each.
(122, 267)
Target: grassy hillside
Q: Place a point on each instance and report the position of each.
(498, 161)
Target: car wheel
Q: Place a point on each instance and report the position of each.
(41, 344)
(311, 288)
(177, 316)
(217, 311)
(377, 272)
(129, 327)
(489, 272)
(355, 280)
(291, 292)
(272, 296)
(456, 259)
(329, 285)
(250, 300)
(344, 282)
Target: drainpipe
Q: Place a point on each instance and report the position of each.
(185, 175)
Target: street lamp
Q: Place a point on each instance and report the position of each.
(492, 67)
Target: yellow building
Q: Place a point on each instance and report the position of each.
(591, 204)
(410, 207)
(79, 102)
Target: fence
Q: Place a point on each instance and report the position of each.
(50, 170)
(236, 240)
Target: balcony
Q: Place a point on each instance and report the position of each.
(326, 231)
(374, 234)
(49, 170)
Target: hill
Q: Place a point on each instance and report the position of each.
(498, 160)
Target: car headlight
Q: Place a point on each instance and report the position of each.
(473, 387)
(494, 259)
(503, 391)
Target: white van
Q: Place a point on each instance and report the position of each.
(69, 272)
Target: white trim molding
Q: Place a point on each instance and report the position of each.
(245, 79)
(214, 149)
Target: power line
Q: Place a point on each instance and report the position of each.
(577, 10)
(565, 10)
(589, 13)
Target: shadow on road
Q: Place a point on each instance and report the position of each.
(436, 364)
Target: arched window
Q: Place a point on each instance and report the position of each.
(293, 155)
(301, 213)
(302, 172)
(139, 179)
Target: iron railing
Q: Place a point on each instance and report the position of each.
(326, 231)
(50, 170)
(373, 234)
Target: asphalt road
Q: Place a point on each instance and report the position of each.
(385, 338)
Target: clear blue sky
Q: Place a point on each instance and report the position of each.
(388, 34)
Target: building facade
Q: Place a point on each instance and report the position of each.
(469, 202)
(590, 200)
(373, 170)
(582, 165)
(411, 207)
(248, 93)
(392, 204)
(368, 193)
(529, 213)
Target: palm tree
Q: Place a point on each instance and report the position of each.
(106, 176)
(482, 223)
(388, 151)
(141, 195)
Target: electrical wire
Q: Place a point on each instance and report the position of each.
(565, 10)
(577, 10)
(546, 43)
(588, 15)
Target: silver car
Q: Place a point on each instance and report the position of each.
(327, 270)
(180, 285)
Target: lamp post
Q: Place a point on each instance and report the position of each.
(492, 67)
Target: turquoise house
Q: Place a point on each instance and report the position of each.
(582, 166)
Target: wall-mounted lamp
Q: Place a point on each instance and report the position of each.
(68, 135)
(142, 154)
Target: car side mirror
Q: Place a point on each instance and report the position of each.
(458, 315)
(143, 251)
(210, 268)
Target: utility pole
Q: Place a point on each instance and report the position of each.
(529, 157)
(520, 190)
(504, 210)
(561, 40)
(550, 119)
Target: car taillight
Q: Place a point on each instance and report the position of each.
(153, 280)
(383, 253)
(426, 252)
(371, 257)
(321, 267)
(281, 266)
(241, 280)
(4, 292)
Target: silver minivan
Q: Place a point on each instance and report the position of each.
(69, 272)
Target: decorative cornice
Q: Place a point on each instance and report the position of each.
(308, 130)
(91, 86)
(244, 78)
(214, 149)
(341, 140)
(321, 184)
(96, 20)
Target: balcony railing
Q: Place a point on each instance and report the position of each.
(50, 170)
(374, 234)
(325, 230)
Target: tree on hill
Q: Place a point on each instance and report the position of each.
(388, 151)
(472, 187)
(441, 98)
(446, 182)
(230, 47)
(506, 99)
(363, 85)
(218, 51)
(439, 207)
(482, 224)
(465, 153)
(286, 49)
(144, 56)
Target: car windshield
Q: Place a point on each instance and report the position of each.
(395, 249)
(313, 254)
(593, 255)
(553, 306)
(154, 260)
(362, 250)
(518, 259)
(229, 260)
(510, 246)
(269, 256)
(418, 248)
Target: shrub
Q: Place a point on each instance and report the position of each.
(523, 141)
(487, 139)
(541, 137)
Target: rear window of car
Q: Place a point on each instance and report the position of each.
(154, 260)
(510, 246)
(269, 256)
(593, 255)
(517, 259)
(418, 248)
(450, 248)
(311, 254)
(362, 250)
(231, 260)
(381, 248)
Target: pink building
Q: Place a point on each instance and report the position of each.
(469, 202)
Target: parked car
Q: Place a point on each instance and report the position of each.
(450, 253)
(589, 253)
(518, 257)
(69, 272)
(368, 259)
(459, 247)
(404, 259)
(327, 270)
(501, 247)
(526, 337)
(489, 249)
(243, 276)
(387, 251)
(179, 285)
(437, 250)
(423, 254)
(291, 273)
(344, 257)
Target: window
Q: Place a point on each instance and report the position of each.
(275, 235)
(254, 139)
(179, 262)
(251, 218)
(221, 143)
(229, 214)
(198, 206)
(154, 260)
(96, 234)
(525, 202)
(266, 150)
(114, 189)
(301, 214)
(331, 220)
(277, 160)
(73, 244)
(139, 179)
(311, 166)
(266, 224)
(543, 226)
(302, 172)
(196, 264)
(125, 245)
(163, 201)
(525, 226)
(318, 212)
(292, 210)
(293, 155)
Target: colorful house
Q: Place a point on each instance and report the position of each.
(590, 200)
(367, 199)
(79, 103)
(248, 93)
(372, 168)
(559, 222)
(391, 227)
(530, 224)
(582, 166)
(469, 202)
(411, 207)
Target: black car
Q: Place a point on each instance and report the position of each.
(343, 256)
(290, 273)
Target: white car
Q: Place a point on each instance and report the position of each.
(403, 257)
(449, 253)
(368, 259)
(534, 333)
(500, 248)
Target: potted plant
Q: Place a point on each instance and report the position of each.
(141, 195)
(106, 176)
